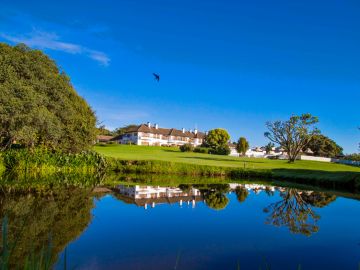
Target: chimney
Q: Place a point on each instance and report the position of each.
(183, 130)
(149, 124)
(156, 126)
(195, 131)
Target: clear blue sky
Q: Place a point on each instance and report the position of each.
(231, 64)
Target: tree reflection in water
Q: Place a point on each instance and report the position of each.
(215, 195)
(241, 194)
(295, 210)
(60, 216)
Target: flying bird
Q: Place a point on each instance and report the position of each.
(156, 76)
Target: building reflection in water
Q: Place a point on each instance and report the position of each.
(292, 208)
(150, 196)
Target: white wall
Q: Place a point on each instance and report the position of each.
(334, 160)
(322, 159)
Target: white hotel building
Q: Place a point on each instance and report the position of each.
(146, 134)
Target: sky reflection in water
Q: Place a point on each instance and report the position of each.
(218, 227)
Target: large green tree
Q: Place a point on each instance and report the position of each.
(242, 146)
(294, 134)
(38, 104)
(217, 138)
(324, 146)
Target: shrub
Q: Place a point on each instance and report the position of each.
(186, 148)
(203, 150)
(221, 150)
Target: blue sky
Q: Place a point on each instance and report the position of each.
(230, 64)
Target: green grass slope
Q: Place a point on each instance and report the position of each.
(324, 174)
(134, 152)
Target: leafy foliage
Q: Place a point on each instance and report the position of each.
(199, 149)
(242, 145)
(186, 147)
(220, 150)
(324, 147)
(217, 137)
(294, 134)
(38, 104)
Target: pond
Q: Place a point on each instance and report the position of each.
(187, 226)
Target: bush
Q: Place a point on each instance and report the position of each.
(186, 148)
(221, 150)
(203, 150)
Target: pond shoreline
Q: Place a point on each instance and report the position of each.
(345, 181)
(22, 163)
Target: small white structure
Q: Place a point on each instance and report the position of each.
(257, 152)
(233, 151)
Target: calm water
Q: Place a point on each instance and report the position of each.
(188, 227)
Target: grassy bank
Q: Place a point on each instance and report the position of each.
(164, 160)
(42, 161)
(124, 159)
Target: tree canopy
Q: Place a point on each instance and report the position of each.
(294, 134)
(242, 145)
(38, 104)
(217, 138)
(324, 146)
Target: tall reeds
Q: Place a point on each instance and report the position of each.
(42, 160)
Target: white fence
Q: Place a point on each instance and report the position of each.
(334, 160)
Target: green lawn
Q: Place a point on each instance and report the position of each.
(134, 152)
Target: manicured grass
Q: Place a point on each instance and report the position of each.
(307, 172)
(134, 152)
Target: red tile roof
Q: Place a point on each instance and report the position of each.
(165, 131)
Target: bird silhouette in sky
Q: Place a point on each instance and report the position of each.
(156, 77)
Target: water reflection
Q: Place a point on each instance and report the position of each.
(150, 196)
(64, 214)
(34, 220)
(294, 210)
